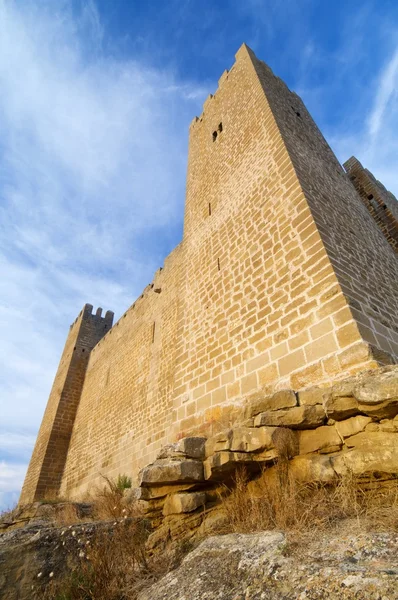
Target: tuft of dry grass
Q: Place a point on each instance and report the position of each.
(116, 566)
(285, 504)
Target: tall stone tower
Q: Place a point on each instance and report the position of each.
(286, 277)
(48, 460)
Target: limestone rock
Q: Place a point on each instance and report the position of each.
(352, 426)
(341, 407)
(323, 439)
(166, 472)
(369, 440)
(183, 503)
(281, 399)
(313, 395)
(299, 417)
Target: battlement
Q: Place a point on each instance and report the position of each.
(381, 203)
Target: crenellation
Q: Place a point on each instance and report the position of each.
(283, 279)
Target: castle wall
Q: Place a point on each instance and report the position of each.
(125, 410)
(283, 280)
(364, 262)
(46, 467)
(381, 204)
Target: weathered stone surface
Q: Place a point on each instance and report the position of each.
(218, 442)
(352, 426)
(222, 464)
(341, 407)
(323, 439)
(361, 461)
(251, 439)
(217, 566)
(299, 417)
(312, 467)
(368, 440)
(376, 389)
(371, 452)
(165, 472)
(150, 493)
(183, 503)
(192, 447)
(313, 395)
(381, 410)
(281, 399)
(390, 425)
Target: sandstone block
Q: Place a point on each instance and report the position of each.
(341, 407)
(378, 388)
(251, 439)
(165, 472)
(218, 442)
(183, 503)
(365, 461)
(313, 395)
(281, 399)
(299, 417)
(150, 493)
(323, 439)
(381, 410)
(312, 467)
(367, 440)
(192, 447)
(352, 426)
(223, 464)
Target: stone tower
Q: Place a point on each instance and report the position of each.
(48, 460)
(284, 279)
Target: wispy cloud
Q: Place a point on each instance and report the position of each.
(92, 155)
(386, 95)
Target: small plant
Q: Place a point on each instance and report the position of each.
(123, 482)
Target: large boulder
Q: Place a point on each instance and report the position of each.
(299, 417)
(281, 399)
(165, 472)
(322, 439)
(352, 426)
(340, 407)
(370, 452)
(183, 503)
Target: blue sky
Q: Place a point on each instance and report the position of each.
(95, 103)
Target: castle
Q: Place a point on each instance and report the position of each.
(286, 276)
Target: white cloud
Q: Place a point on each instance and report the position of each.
(92, 178)
(387, 92)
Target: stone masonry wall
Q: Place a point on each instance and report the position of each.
(381, 204)
(125, 412)
(364, 263)
(273, 286)
(46, 467)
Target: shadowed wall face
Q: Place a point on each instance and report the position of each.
(46, 467)
(269, 288)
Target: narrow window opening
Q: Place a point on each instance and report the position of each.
(384, 206)
(220, 128)
(209, 209)
(214, 136)
(153, 331)
(218, 264)
(82, 349)
(370, 197)
(298, 114)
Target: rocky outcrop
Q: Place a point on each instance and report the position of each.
(266, 566)
(323, 433)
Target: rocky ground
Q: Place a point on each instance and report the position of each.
(342, 564)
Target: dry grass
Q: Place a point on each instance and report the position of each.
(116, 566)
(282, 503)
